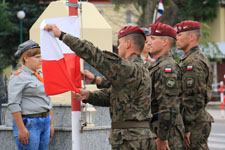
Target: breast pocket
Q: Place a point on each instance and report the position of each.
(32, 89)
(171, 84)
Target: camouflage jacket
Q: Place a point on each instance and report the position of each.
(166, 89)
(129, 94)
(197, 83)
(104, 84)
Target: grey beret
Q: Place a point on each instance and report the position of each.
(26, 46)
(147, 33)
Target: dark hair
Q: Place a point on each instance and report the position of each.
(138, 40)
(197, 33)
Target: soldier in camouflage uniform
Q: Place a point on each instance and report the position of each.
(165, 74)
(196, 82)
(102, 82)
(129, 94)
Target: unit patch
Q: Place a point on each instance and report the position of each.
(170, 82)
(190, 82)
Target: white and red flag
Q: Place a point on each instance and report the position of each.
(168, 70)
(60, 65)
(189, 67)
(158, 12)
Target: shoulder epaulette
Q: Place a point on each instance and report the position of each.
(16, 72)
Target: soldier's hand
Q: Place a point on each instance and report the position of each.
(53, 28)
(83, 95)
(87, 76)
(187, 139)
(162, 144)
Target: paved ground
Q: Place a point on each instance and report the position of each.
(217, 137)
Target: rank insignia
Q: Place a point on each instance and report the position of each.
(168, 70)
(170, 82)
(189, 67)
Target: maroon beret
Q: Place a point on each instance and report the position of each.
(160, 29)
(130, 30)
(187, 26)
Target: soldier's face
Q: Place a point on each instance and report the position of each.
(121, 47)
(147, 45)
(155, 44)
(182, 40)
(33, 62)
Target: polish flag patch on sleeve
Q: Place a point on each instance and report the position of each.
(168, 70)
(189, 67)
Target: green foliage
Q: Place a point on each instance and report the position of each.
(5, 24)
(208, 46)
(199, 10)
(141, 3)
(5, 28)
(177, 54)
(9, 28)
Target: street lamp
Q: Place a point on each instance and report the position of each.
(21, 15)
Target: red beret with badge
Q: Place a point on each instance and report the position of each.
(187, 25)
(127, 30)
(161, 29)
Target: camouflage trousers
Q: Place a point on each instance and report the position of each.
(176, 136)
(199, 136)
(144, 144)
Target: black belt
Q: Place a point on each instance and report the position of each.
(44, 114)
(130, 124)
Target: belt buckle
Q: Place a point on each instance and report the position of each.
(44, 114)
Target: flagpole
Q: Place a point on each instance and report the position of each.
(75, 105)
(155, 12)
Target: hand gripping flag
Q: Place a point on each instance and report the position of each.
(158, 12)
(60, 65)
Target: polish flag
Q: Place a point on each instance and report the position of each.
(60, 65)
(168, 70)
(189, 67)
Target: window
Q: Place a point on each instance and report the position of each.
(214, 70)
(129, 18)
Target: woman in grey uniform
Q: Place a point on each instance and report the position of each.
(29, 105)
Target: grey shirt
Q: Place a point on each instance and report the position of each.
(27, 94)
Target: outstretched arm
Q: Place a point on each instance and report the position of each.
(89, 77)
(97, 97)
(109, 64)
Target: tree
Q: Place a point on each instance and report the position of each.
(178, 10)
(9, 29)
(5, 28)
(175, 10)
(208, 46)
